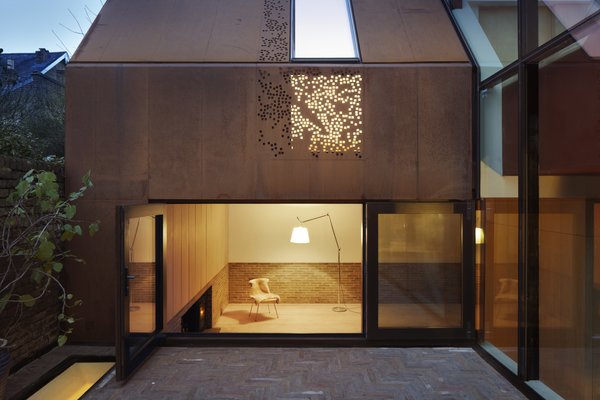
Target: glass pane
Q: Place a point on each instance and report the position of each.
(323, 29)
(420, 264)
(555, 16)
(568, 220)
(490, 27)
(142, 272)
(498, 251)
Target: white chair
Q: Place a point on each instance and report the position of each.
(260, 293)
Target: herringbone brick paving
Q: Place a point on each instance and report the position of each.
(312, 373)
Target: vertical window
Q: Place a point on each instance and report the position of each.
(323, 29)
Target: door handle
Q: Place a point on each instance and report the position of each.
(130, 277)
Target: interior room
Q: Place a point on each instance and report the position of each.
(236, 268)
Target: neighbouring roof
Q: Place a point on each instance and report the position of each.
(23, 66)
(258, 31)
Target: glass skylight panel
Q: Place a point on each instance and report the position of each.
(323, 29)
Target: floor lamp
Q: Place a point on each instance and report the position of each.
(300, 235)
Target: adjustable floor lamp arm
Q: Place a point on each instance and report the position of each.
(332, 229)
(339, 307)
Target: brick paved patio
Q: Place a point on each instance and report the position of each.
(312, 373)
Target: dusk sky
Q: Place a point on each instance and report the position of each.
(26, 25)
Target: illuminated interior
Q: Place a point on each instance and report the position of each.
(73, 382)
(218, 248)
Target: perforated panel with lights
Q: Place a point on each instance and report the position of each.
(311, 111)
(328, 110)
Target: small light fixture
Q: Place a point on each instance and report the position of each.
(479, 236)
(300, 235)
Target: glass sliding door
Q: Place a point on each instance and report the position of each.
(416, 263)
(569, 187)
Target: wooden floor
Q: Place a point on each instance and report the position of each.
(293, 318)
(311, 373)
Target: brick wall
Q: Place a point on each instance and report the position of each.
(297, 283)
(143, 286)
(37, 327)
(420, 283)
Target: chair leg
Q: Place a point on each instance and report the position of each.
(275, 305)
(251, 306)
(269, 307)
(257, 307)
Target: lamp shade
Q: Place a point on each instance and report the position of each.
(300, 235)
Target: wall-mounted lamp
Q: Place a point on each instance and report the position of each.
(300, 235)
(479, 236)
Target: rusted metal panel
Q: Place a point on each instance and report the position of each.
(178, 31)
(246, 132)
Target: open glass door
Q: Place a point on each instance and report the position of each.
(420, 271)
(140, 295)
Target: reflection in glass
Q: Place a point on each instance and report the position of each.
(420, 263)
(499, 220)
(142, 271)
(490, 27)
(555, 16)
(568, 220)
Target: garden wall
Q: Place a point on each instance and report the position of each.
(37, 327)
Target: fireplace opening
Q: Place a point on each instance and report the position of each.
(199, 317)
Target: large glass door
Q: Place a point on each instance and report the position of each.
(140, 298)
(420, 271)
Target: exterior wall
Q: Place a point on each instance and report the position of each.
(298, 282)
(259, 31)
(148, 124)
(37, 328)
(192, 132)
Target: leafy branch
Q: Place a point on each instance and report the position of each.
(32, 243)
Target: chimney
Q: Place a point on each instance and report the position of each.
(41, 55)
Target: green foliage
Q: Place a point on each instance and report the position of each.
(16, 141)
(32, 242)
(31, 120)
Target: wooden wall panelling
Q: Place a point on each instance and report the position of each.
(201, 242)
(169, 282)
(185, 254)
(177, 258)
(196, 250)
(193, 279)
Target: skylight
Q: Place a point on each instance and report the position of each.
(323, 29)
